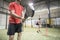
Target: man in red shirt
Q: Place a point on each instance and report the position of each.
(15, 19)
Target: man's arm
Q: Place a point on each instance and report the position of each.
(12, 13)
(23, 13)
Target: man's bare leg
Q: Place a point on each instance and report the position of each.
(19, 36)
(11, 37)
(38, 29)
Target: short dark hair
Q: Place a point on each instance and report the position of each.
(39, 18)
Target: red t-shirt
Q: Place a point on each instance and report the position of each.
(18, 10)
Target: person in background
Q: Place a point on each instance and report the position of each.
(38, 23)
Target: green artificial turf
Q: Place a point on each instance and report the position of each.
(31, 34)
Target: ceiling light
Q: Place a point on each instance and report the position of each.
(31, 6)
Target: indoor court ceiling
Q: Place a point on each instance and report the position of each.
(41, 8)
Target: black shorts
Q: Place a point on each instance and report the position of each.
(13, 28)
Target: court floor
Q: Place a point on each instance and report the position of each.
(31, 34)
